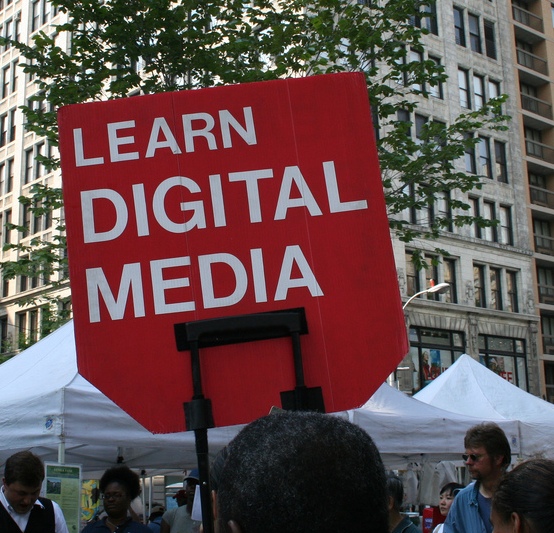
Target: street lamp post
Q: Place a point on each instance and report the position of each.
(441, 288)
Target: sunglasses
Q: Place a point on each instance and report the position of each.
(475, 457)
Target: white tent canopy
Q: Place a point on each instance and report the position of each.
(468, 387)
(407, 430)
(46, 406)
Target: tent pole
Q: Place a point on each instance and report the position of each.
(61, 452)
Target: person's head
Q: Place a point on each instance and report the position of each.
(119, 487)
(488, 452)
(190, 481)
(23, 477)
(523, 501)
(302, 472)
(157, 510)
(180, 497)
(395, 493)
(447, 495)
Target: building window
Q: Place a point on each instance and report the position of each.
(495, 281)
(23, 283)
(479, 285)
(495, 287)
(459, 28)
(475, 212)
(539, 189)
(427, 19)
(4, 343)
(463, 86)
(416, 57)
(5, 81)
(493, 88)
(549, 381)
(412, 276)
(533, 142)
(502, 230)
(11, 126)
(420, 123)
(41, 12)
(402, 115)
(13, 81)
(8, 33)
(506, 228)
(41, 219)
(432, 351)
(543, 238)
(483, 89)
(469, 158)
(500, 161)
(449, 276)
(489, 233)
(9, 174)
(505, 356)
(3, 129)
(439, 270)
(474, 33)
(25, 219)
(6, 231)
(512, 304)
(436, 90)
(545, 278)
(21, 326)
(29, 174)
(40, 154)
(547, 327)
(478, 91)
(441, 209)
(485, 161)
(490, 43)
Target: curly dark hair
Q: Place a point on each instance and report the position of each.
(303, 472)
(125, 477)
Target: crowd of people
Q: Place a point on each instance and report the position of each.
(303, 472)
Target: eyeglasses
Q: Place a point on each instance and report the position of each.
(475, 457)
(113, 496)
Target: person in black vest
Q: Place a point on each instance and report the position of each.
(21, 508)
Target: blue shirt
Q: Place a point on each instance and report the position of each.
(130, 526)
(464, 515)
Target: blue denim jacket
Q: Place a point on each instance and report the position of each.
(464, 516)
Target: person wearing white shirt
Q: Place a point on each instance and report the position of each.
(21, 508)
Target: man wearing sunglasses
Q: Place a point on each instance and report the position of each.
(487, 456)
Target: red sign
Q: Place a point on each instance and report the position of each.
(221, 202)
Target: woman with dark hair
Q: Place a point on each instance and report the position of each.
(119, 486)
(446, 497)
(398, 523)
(524, 499)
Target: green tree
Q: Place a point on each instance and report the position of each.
(123, 47)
